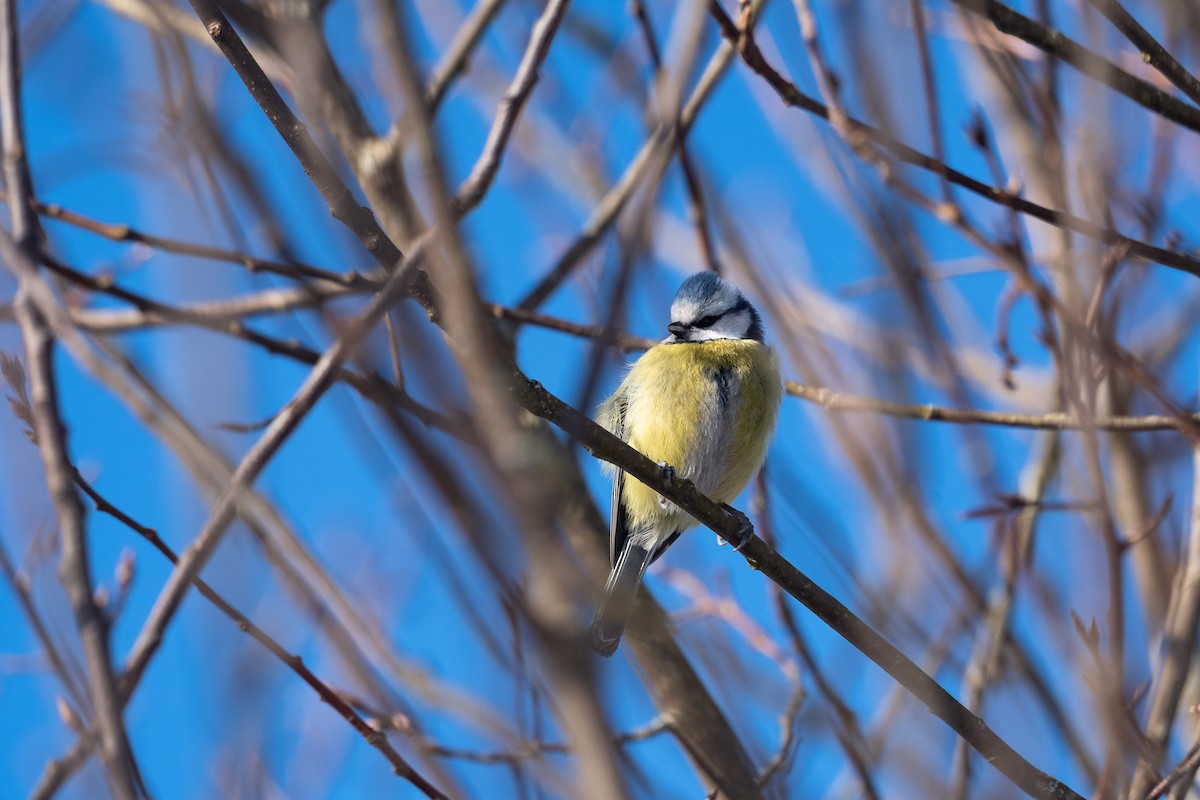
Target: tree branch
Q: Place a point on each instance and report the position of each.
(1152, 52)
(763, 558)
(18, 253)
(293, 662)
(792, 96)
(1098, 68)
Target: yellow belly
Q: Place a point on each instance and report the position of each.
(674, 414)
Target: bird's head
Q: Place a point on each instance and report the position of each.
(706, 307)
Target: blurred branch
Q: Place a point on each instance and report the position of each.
(32, 306)
(526, 459)
(66, 672)
(691, 178)
(293, 662)
(792, 96)
(168, 18)
(524, 79)
(57, 770)
(454, 60)
(1177, 661)
(610, 206)
(1055, 43)
(1151, 51)
(125, 233)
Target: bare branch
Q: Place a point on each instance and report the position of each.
(293, 662)
(74, 569)
(1152, 52)
(1098, 68)
(763, 558)
(792, 96)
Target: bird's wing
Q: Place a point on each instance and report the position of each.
(617, 529)
(611, 417)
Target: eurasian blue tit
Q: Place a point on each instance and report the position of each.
(703, 403)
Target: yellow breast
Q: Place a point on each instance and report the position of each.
(708, 409)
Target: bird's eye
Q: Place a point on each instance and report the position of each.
(705, 322)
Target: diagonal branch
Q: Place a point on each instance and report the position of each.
(792, 96)
(51, 435)
(763, 558)
(515, 96)
(291, 661)
(318, 381)
(1152, 52)
(458, 53)
(1055, 43)
(295, 134)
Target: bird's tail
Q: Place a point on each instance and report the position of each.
(619, 594)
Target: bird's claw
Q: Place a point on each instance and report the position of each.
(745, 531)
(668, 474)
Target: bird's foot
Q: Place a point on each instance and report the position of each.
(668, 474)
(745, 531)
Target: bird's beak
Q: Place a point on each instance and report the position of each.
(677, 328)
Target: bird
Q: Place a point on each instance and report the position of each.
(703, 404)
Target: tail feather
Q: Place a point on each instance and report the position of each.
(619, 594)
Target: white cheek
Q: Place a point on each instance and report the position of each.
(734, 326)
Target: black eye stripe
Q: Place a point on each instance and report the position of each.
(704, 322)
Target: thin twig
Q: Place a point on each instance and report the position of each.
(792, 96)
(691, 178)
(18, 253)
(126, 233)
(917, 9)
(455, 60)
(1177, 661)
(850, 737)
(1151, 51)
(1188, 764)
(789, 741)
(526, 751)
(614, 201)
(66, 675)
(1008, 20)
(524, 79)
(1055, 420)
(324, 177)
(293, 662)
